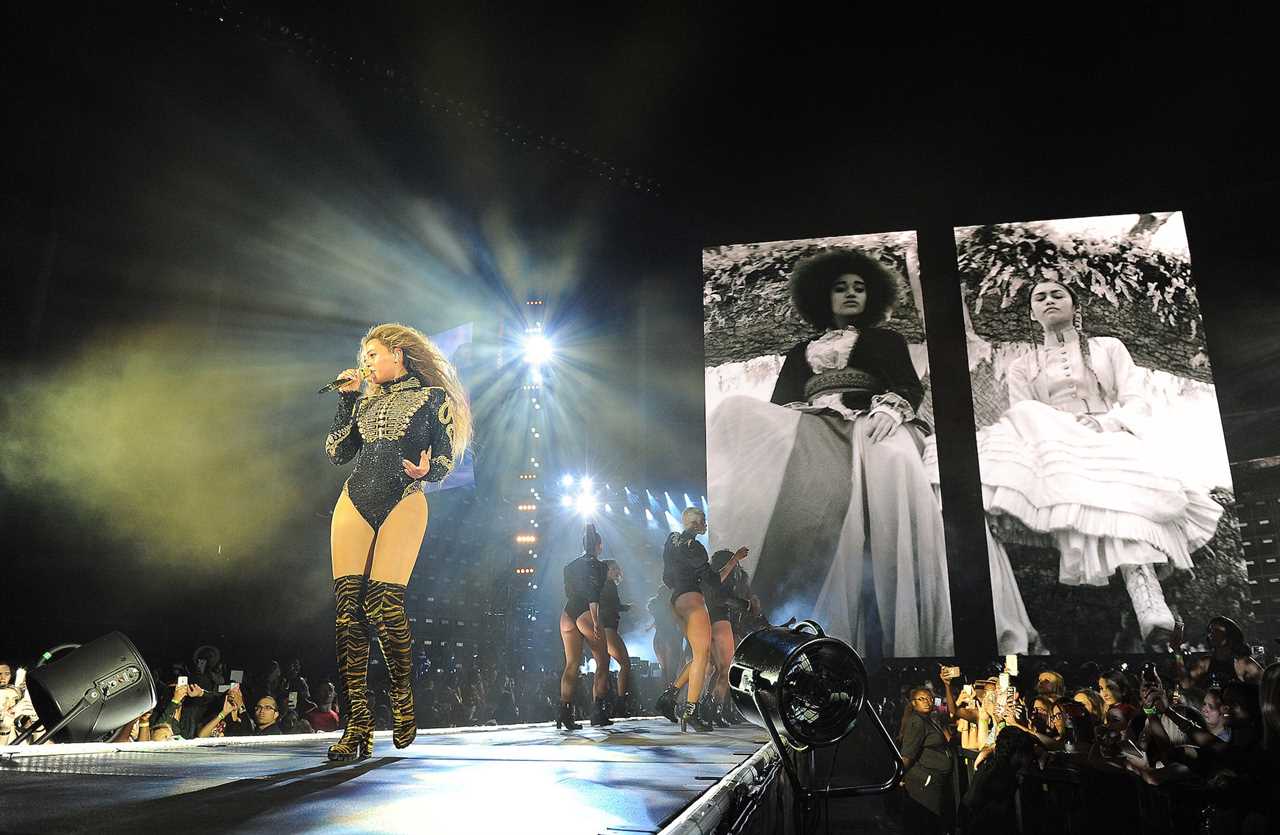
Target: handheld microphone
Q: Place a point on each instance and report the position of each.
(341, 381)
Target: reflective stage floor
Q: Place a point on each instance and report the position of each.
(632, 777)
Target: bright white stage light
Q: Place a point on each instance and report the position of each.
(627, 510)
(567, 481)
(608, 508)
(586, 482)
(586, 504)
(537, 349)
(566, 501)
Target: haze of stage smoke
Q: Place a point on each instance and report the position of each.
(161, 444)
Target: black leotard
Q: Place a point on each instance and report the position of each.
(611, 606)
(583, 580)
(684, 564)
(382, 430)
(724, 597)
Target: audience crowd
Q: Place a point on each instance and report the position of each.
(1187, 741)
(207, 697)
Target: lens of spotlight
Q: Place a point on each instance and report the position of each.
(537, 350)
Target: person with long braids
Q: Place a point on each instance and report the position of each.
(1066, 465)
(685, 566)
(584, 578)
(826, 481)
(411, 425)
(611, 609)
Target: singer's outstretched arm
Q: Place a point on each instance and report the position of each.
(343, 441)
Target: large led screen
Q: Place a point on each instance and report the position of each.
(818, 411)
(1104, 473)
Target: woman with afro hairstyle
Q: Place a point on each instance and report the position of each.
(825, 482)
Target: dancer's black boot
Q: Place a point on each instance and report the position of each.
(565, 719)
(716, 713)
(689, 718)
(666, 705)
(600, 712)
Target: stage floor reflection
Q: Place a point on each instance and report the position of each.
(631, 777)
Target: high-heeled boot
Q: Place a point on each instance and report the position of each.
(666, 705)
(352, 644)
(384, 608)
(689, 717)
(716, 714)
(600, 712)
(565, 719)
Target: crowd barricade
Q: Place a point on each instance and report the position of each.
(1067, 798)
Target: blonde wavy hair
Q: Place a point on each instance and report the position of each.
(424, 360)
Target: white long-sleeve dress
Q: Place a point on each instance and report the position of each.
(1102, 499)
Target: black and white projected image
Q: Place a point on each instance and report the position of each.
(817, 414)
(1103, 466)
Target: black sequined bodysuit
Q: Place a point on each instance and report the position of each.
(382, 430)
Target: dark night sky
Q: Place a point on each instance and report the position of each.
(165, 168)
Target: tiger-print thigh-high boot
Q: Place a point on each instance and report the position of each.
(352, 640)
(384, 609)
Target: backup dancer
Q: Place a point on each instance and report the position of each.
(584, 578)
(611, 609)
(684, 567)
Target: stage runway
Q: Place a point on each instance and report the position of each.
(635, 777)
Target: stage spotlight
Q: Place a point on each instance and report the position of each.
(566, 480)
(586, 482)
(807, 690)
(608, 508)
(90, 694)
(537, 350)
(626, 510)
(586, 504)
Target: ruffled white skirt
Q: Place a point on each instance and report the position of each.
(1103, 499)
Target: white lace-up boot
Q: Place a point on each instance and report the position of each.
(1148, 599)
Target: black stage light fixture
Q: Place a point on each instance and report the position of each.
(811, 686)
(91, 693)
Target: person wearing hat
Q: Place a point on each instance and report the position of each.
(825, 481)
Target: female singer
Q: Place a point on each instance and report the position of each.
(684, 567)
(411, 425)
(581, 621)
(1066, 465)
(827, 478)
(611, 608)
